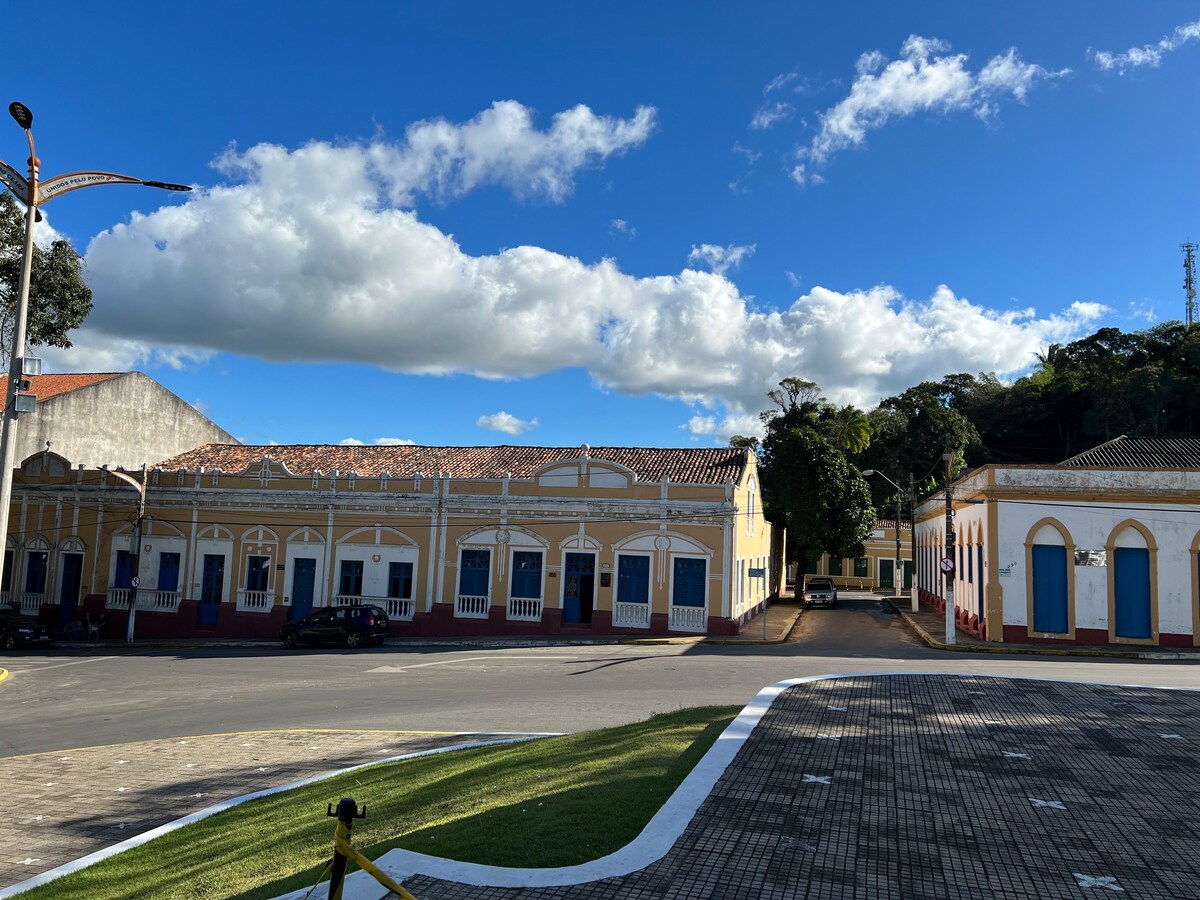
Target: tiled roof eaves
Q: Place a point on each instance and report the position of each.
(683, 466)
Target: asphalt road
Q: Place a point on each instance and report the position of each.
(71, 699)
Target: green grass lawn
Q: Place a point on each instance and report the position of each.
(547, 802)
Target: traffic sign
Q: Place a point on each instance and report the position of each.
(134, 581)
(947, 565)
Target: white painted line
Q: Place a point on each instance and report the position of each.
(144, 837)
(817, 779)
(1010, 755)
(1171, 737)
(470, 659)
(659, 835)
(75, 662)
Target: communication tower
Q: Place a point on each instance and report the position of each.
(1189, 279)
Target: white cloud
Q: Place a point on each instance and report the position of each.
(301, 264)
(771, 114)
(624, 227)
(1148, 54)
(701, 425)
(506, 423)
(926, 78)
(378, 442)
(501, 146)
(720, 259)
(793, 278)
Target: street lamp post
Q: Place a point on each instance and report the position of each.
(35, 195)
(897, 572)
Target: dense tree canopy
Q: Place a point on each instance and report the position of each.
(807, 482)
(59, 299)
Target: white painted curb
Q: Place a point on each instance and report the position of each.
(660, 833)
(139, 839)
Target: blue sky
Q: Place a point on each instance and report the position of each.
(557, 223)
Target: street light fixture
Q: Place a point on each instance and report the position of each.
(35, 195)
(899, 570)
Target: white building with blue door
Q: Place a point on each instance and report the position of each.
(1103, 548)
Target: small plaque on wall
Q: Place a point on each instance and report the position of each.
(606, 579)
(279, 567)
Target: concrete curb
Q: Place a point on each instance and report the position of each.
(137, 840)
(1026, 650)
(760, 642)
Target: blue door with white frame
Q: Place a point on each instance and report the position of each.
(1131, 592)
(1050, 589)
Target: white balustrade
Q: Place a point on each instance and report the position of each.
(525, 609)
(4, 598)
(688, 618)
(631, 615)
(471, 607)
(398, 608)
(31, 604)
(147, 599)
(255, 601)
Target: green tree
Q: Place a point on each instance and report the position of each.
(742, 442)
(848, 428)
(59, 298)
(809, 486)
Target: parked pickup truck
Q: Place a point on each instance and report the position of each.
(820, 591)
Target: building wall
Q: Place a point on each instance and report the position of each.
(864, 573)
(266, 518)
(1089, 512)
(126, 421)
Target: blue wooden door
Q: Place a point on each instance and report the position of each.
(579, 584)
(1050, 589)
(212, 586)
(1131, 592)
(68, 592)
(168, 571)
(687, 585)
(304, 579)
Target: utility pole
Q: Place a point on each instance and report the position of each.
(135, 547)
(899, 577)
(953, 445)
(912, 539)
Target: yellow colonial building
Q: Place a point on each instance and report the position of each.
(238, 539)
(876, 569)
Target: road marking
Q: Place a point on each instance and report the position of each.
(468, 659)
(1010, 755)
(817, 779)
(74, 662)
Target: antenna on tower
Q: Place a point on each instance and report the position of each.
(1189, 280)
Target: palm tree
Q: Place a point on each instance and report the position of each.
(849, 429)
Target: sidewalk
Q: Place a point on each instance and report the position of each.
(930, 626)
(897, 787)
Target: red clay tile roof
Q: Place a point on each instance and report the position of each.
(46, 386)
(711, 465)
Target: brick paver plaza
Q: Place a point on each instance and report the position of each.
(853, 787)
(938, 787)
